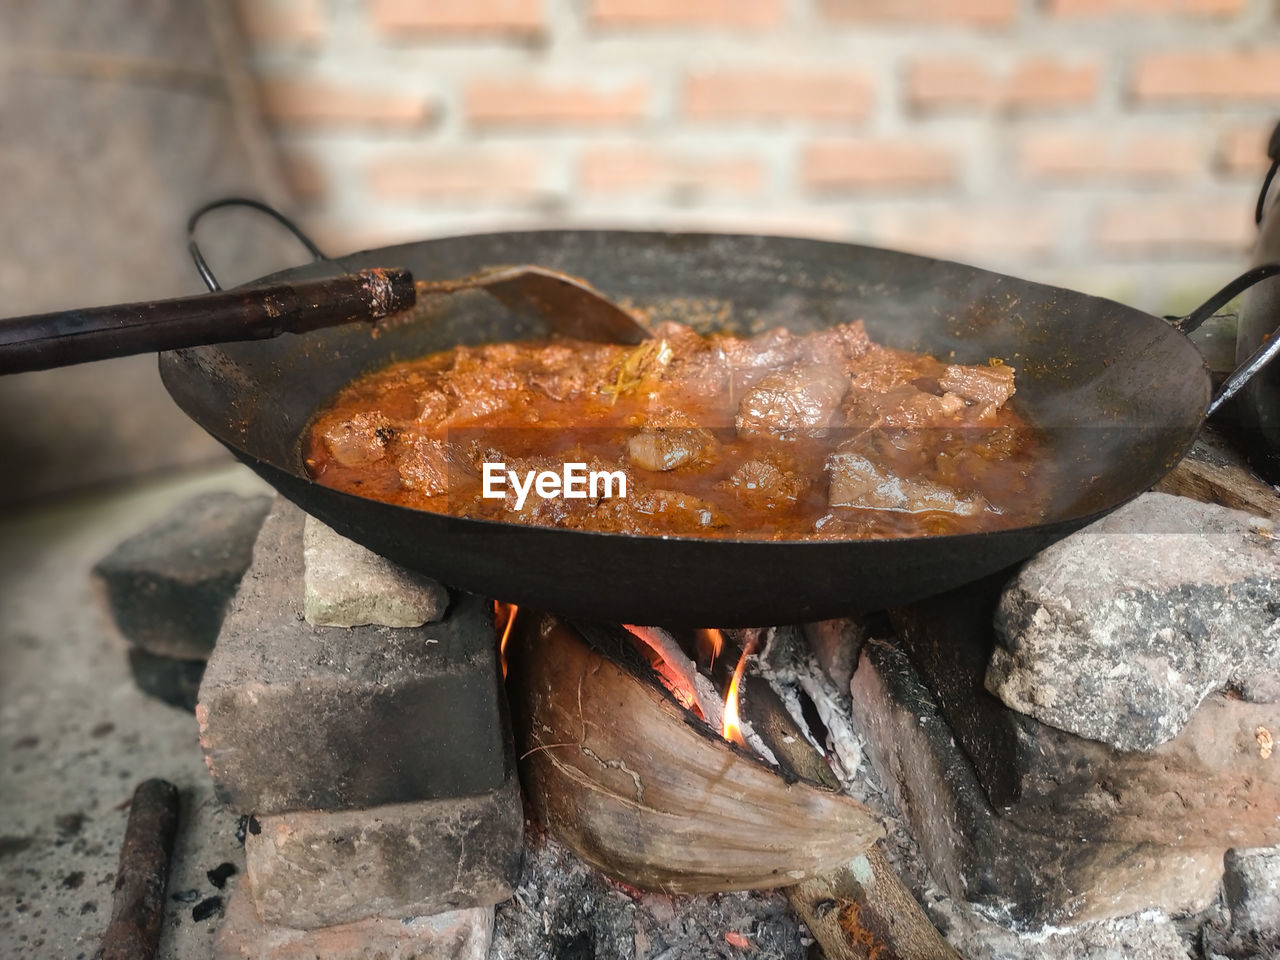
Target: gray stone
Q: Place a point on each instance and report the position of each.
(1118, 632)
(1022, 879)
(1210, 786)
(1147, 936)
(456, 935)
(348, 585)
(296, 717)
(836, 644)
(168, 587)
(310, 869)
(1251, 883)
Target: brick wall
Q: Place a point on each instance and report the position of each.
(1111, 145)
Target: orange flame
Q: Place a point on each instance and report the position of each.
(504, 611)
(732, 725)
(714, 640)
(671, 678)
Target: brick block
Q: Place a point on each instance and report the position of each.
(1242, 152)
(1031, 84)
(295, 717)
(626, 169)
(347, 585)
(459, 17)
(310, 869)
(777, 95)
(964, 233)
(1207, 77)
(305, 178)
(463, 176)
(282, 22)
(977, 13)
(168, 587)
(1170, 227)
(1074, 156)
(308, 103)
(740, 14)
(526, 102)
(875, 164)
(457, 935)
(1112, 8)
(1028, 879)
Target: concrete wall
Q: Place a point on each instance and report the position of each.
(1111, 145)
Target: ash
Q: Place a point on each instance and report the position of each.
(564, 909)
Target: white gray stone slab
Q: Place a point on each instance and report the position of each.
(1118, 632)
(347, 585)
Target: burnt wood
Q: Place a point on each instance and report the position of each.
(1121, 393)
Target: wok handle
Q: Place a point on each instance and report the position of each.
(1265, 353)
(97, 333)
(197, 255)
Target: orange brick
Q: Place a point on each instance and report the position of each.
(529, 103)
(1106, 8)
(1101, 155)
(622, 169)
(743, 14)
(870, 164)
(464, 176)
(1164, 226)
(1219, 76)
(459, 16)
(282, 21)
(1037, 83)
(303, 176)
(772, 95)
(970, 234)
(320, 103)
(1041, 82)
(981, 13)
(1243, 152)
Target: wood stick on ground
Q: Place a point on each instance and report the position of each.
(864, 912)
(137, 909)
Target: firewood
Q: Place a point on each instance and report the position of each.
(639, 787)
(862, 911)
(1214, 473)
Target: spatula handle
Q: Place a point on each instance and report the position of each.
(96, 333)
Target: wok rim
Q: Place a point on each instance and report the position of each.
(168, 366)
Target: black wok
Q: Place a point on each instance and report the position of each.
(1122, 393)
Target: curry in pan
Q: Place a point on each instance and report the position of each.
(778, 436)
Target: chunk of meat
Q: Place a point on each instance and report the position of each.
(856, 481)
(359, 439)
(424, 466)
(765, 351)
(433, 405)
(902, 406)
(800, 400)
(676, 510)
(845, 345)
(982, 385)
(669, 440)
(764, 482)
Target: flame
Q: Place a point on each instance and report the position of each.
(714, 640)
(671, 678)
(732, 725)
(504, 612)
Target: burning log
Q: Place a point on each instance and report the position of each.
(863, 912)
(638, 786)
